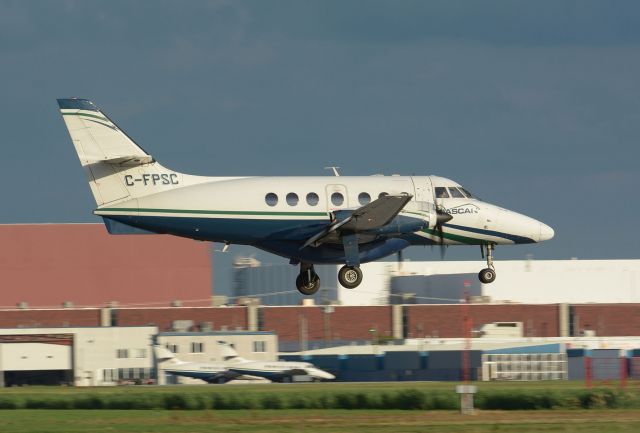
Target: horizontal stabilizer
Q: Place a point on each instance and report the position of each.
(129, 160)
(119, 228)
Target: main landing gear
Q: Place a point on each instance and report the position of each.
(350, 276)
(488, 274)
(307, 282)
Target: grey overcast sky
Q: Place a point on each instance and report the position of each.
(533, 105)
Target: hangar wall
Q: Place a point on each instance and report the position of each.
(436, 282)
(46, 265)
(318, 326)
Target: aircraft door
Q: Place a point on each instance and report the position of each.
(423, 188)
(337, 197)
(423, 198)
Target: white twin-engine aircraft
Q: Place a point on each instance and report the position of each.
(234, 367)
(309, 220)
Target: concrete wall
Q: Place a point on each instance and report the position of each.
(35, 356)
(243, 342)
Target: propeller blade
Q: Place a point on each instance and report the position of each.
(442, 217)
(443, 247)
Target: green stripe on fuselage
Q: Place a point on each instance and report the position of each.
(453, 237)
(214, 212)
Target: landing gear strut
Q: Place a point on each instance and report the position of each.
(307, 282)
(487, 275)
(350, 277)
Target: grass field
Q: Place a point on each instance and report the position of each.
(320, 421)
(259, 419)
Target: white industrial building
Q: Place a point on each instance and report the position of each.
(426, 282)
(89, 356)
(97, 356)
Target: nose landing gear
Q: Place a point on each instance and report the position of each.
(307, 282)
(487, 275)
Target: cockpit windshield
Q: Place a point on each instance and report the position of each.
(453, 192)
(456, 193)
(467, 193)
(441, 192)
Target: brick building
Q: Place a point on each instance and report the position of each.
(47, 265)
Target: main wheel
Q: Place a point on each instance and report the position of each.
(350, 277)
(487, 275)
(306, 286)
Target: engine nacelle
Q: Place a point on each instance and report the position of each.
(401, 224)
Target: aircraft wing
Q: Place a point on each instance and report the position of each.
(371, 216)
(376, 214)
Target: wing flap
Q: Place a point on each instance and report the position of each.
(374, 215)
(377, 214)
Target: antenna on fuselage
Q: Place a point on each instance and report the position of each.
(335, 170)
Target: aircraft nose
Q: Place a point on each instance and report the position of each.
(546, 232)
(321, 374)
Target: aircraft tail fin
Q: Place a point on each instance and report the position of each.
(117, 168)
(228, 353)
(163, 355)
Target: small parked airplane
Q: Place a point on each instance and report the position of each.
(234, 367)
(309, 220)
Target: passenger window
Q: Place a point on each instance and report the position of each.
(382, 194)
(364, 198)
(455, 193)
(271, 199)
(292, 199)
(312, 199)
(441, 192)
(337, 199)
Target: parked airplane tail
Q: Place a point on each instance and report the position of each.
(228, 353)
(116, 167)
(163, 354)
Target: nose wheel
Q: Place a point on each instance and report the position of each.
(487, 275)
(350, 277)
(307, 282)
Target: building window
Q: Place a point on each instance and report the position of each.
(197, 347)
(260, 346)
(136, 374)
(109, 375)
(271, 199)
(313, 199)
(292, 199)
(364, 198)
(337, 199)
(141, 353)
(173, 348)
(122, 353)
